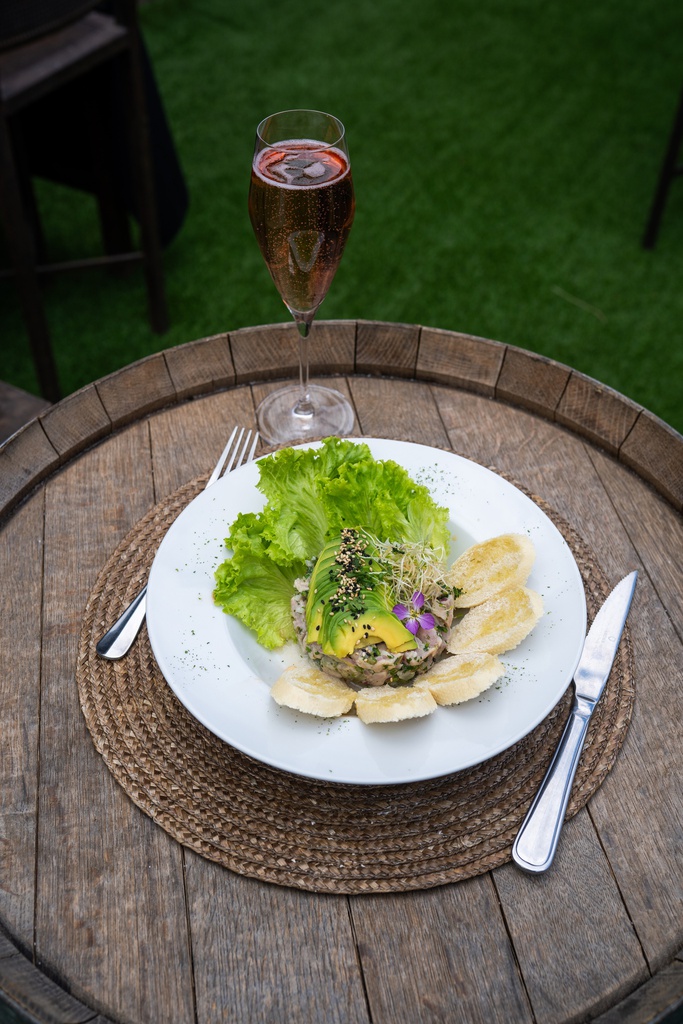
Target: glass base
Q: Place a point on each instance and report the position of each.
(279, 423)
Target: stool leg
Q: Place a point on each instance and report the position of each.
(22, 253)
(143, 169)
(666, 175)
(114, 225)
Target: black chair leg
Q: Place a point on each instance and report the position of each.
(20, 243)
(144, 178)
(114, 223)
(668, 172)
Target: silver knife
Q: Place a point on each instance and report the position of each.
(536, 842)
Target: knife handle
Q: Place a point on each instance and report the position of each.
(536, 842)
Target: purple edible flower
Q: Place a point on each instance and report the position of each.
(412, 618)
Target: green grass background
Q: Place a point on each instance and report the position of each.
(504, 152)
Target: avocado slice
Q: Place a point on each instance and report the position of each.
(348, 602)
(341, 634)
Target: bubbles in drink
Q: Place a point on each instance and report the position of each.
(301, 206)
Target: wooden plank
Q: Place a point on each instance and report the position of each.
(262, 353)
(655, 451)
(275, 955)
(459, 360)
(76, 422)
(201, 366)
(556, 465)
(187, 439)
(574, 910)
(137, 389)
(394, 408)
(655, 1002)
(440, 955)
(20, 702)
(532, 381)
(639, 810)
(25, 459)
(33, 997)
(333, 347)
(596, 411)
(654, 528)
(110, 910)
(383, 348)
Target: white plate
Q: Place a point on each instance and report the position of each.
(223, 676)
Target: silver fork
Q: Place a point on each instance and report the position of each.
(118, 640)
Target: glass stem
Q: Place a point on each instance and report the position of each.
(304, 406)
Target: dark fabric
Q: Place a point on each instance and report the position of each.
(60, 146)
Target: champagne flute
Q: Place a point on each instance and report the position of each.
(301, 206)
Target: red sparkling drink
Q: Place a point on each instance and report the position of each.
(301, 205)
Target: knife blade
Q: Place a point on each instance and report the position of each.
(536, 842)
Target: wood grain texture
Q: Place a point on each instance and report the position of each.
(386, 348)
(277, 955)
(638, 809)
(30, 995)
(76, 422)
(136, 389)
(652, 1003)
(596, 411)
(25, 459)
(110, 911)
(201, 366)
(532, 381)
(655, 451)
(654, 528)
(439, 956)
(391, 408)
(584, 956)
(20, 703)
(556, 465)
(260, 353)
(333, 347)
(459, 360)
(187, 439)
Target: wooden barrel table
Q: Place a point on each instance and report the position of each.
(150, 873)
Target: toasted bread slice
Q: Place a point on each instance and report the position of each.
(311, 691)
(490, 567)
(393, 703)
(462, 676)
(497, 625)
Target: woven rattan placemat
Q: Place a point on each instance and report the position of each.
(319, 836)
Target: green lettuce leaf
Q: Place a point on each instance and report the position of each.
(311, 495)
(382, 498)
(255, 589)
(293, 481)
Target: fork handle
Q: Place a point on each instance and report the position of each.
(119, 639)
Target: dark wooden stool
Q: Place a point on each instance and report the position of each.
(41, 60)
